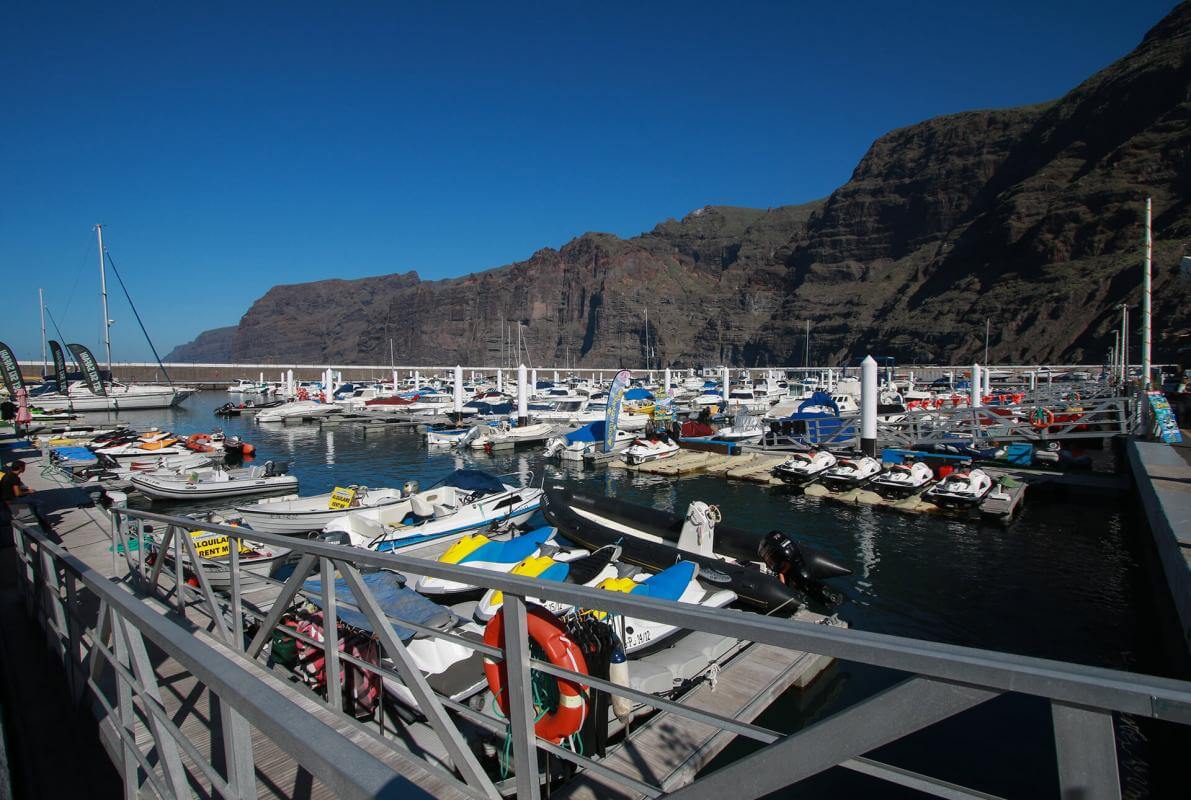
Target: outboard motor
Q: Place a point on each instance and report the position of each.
(783, 558)
(410, 488)
(335, 537)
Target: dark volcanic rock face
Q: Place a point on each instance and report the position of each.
(210, 347)
(1028, 217)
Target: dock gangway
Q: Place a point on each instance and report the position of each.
(117, 632)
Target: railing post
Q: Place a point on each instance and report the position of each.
(331, 635)
(74, 669)
(237, 750)
(520, 698)
(126, 714)
(179, 572)
(1086, 749)
(233, 565)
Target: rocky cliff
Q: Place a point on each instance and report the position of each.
(1027, 217)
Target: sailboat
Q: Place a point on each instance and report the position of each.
(93, 393)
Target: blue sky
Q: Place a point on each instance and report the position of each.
(229, 147)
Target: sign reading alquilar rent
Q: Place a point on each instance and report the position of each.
(10, 370)
(89, 367)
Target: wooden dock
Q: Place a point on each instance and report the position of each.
(668, 750)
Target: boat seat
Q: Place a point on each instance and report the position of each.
(511, 551)
(441, 511)
(670, 583)
(420, 508)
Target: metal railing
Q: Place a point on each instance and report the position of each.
(943, 680)
(103, 633)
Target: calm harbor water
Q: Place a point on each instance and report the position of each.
(1067, 580)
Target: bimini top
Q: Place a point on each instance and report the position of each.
(591, 432)
(637, 393)
(475, 481)
(819, 399)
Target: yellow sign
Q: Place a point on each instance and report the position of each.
(341, 498)
(208, 546)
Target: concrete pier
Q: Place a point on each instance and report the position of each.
(1162, 473)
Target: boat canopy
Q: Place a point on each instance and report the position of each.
(819, 399)
(475, 481)
(637, 393)
(591, 432)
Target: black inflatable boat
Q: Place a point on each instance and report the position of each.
(649, 538)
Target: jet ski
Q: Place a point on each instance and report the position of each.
(961, 489)
(481, 551)
(848, 473)
(601, 570)
(653, 448)
(803, 468)
(901, 480)
(654, 540)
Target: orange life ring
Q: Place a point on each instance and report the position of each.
(1041, 418)
(548, 633)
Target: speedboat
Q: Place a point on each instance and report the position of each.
(901, 480)
(573, 445)
(603, 570)
(728, 557)
(848, 473)
(464, 501)
(296, 408)
(215, 482)
(292, 514)
(656, 447)
(505, 434)
(803, 468)
(744, 428)
(961, 489)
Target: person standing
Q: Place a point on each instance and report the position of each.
(12, 488)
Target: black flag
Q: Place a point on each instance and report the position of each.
(11, 370)
(59, 366)
(89, 367)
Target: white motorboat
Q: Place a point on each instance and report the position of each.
(574, 445)
(505, 434)
(803, 468)
(118, 397)
(201, 484)
(291, 514)
(257, 560)
(248, 387)
(851, 472)
(296, 408)
(656, 447)
(901, 480)
(466, 500)
(961, 489)
(745, 428)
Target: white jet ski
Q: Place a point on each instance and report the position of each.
(654, 448)
(480, 551)
(851, 472)
(961, 489)
(803, 468)
(902, 480)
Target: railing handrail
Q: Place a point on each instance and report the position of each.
(1078, 684)
(348, 769)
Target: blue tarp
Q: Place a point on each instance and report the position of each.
(395, 598)
(638, 393)
(591, 432)
(474, 480)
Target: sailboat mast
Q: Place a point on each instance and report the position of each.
(103, 291)
(41, 307)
